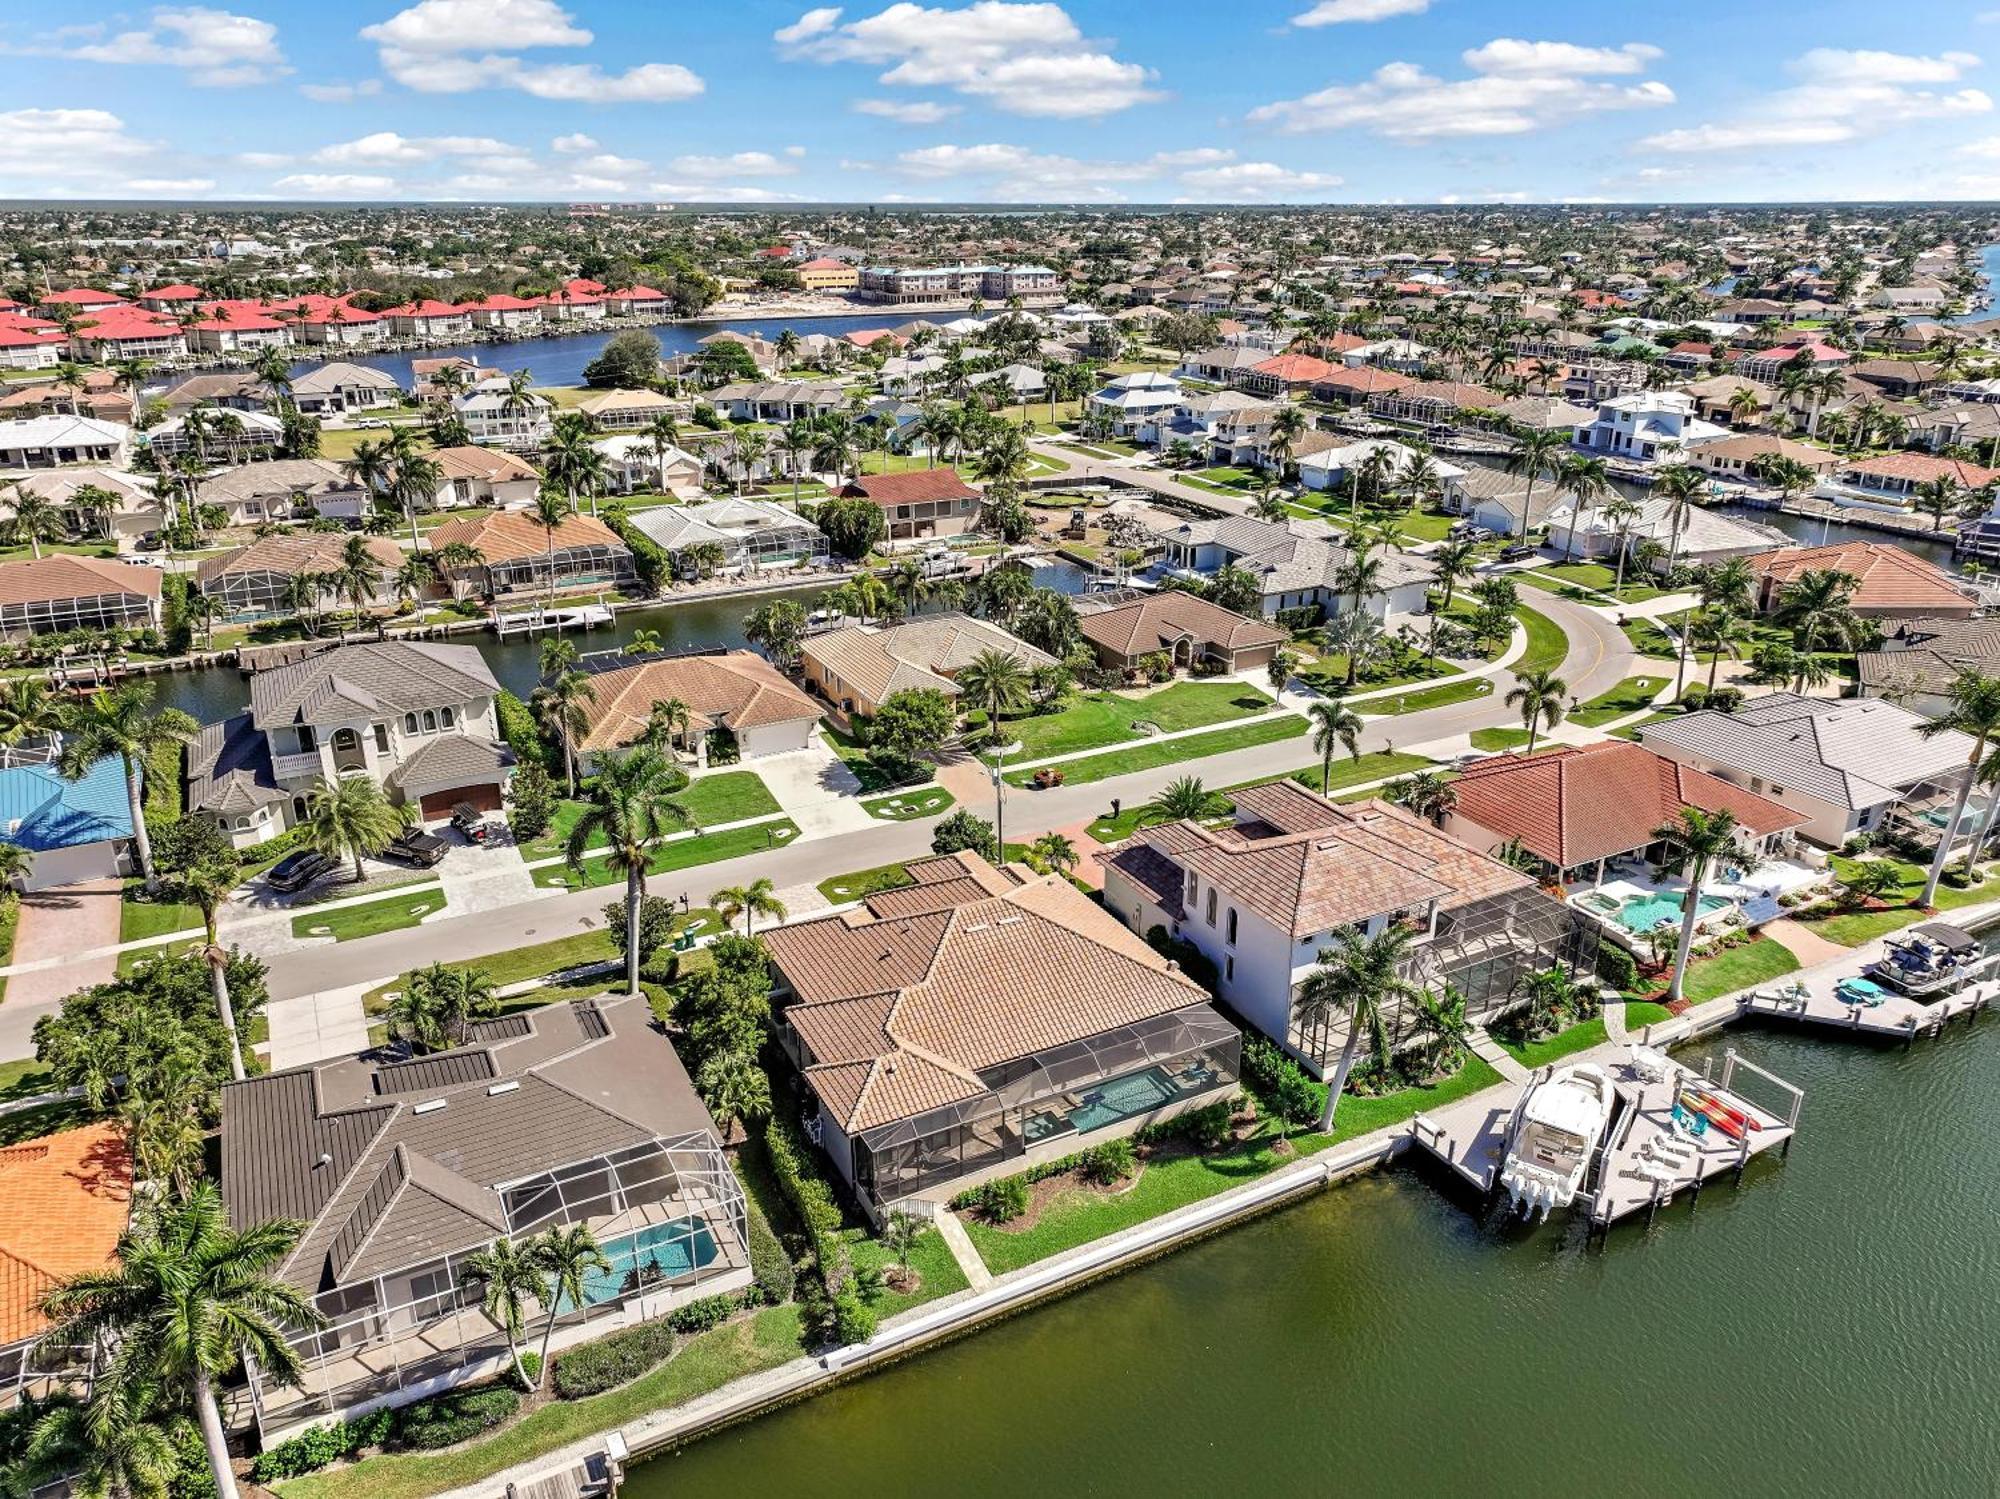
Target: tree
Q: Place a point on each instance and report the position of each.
(1446, 1027)
(1696, 839)
(853, 525)
(566, 1255)
(996, 683)
(911, 721)
(118, 723)
(33, 518)
(29, 713)
(1334, 726)
(552, 511)
(1973, 710)
(1679, 484)
(559, 708)
(436, 1008)
(1358, 636)
(1236, 589)
(758, 898)
(1539, 696)
(734, 1087)
(1817, 606)
(1183, 799)
(201, 869)
(1535, 449)
(115, 1445)
(1427, 793)
(630, 361)
(1872, 879)
(188, 1298)
(1358, 978)
(1455, 562)
(1053, 853)
(349, 816)
(1585, 481)
(508, 1274)
(631, 809)
(574, 464)
(962, 831)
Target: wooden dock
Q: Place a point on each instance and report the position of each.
(1899, 1017)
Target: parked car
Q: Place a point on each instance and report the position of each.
(1520, 551)
(415, 846)
(296, 871)
(472, 822)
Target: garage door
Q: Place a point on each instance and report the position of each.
(439, 803)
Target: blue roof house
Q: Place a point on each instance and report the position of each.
(79, 830)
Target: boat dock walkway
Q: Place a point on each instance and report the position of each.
(1814, 1000)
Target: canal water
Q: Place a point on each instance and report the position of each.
(1829, 1328)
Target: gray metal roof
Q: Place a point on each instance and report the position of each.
(370, 679)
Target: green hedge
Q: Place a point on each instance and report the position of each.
(807, 1191)
(447, 1420)
(769, 1263)
(593, 1368)
(523, 735)
(311, 1450)
(649, 559)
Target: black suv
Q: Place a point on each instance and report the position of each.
(296, 871)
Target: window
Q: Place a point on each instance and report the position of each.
(409, 723)
(1231, 939)
(308, 739)
(1210, 914)
(382, 738)
(430, 721)
(447, 717)
(1229, 966)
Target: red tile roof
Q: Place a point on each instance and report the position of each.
(1886, 577)
(908, 488)
(1294, 368)
(1922, 466)
(65, 1200)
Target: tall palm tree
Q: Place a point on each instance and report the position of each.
(667, 724)
(415, 487)
(559, 705)
(662, 436)
(1455, 562)
(508, 1276)
(552, 510)
(1973, 710)
(1718, 631)
(1358, 977)
(1818, 608)
(566, 1256)
(1697, 839)
(1334, 726)
(358, 576)
(758, 898)
(1621, 511)
(33, 518)
(632, 808)
(997, 683)
(118, 723)
(1678, 485)
(350, 817)
(206, 886)
(1539, 695)
(188, 1299)
(1535, 450)
(1585, 481)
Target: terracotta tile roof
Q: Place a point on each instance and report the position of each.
(1155, 622)
(508, 535)
(736, 689)
(911, 487)
(1365, 381)
(1293, 368)
(482, 463)
(61, 576)
(65, 1200)
(296, 553)
(1886, 577)
(1573, 805)
(1922, 466)
(923, 653)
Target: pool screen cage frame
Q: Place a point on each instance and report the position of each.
(691, 1167)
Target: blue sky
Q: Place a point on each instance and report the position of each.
(773, 100)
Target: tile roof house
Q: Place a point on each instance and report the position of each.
(735, 691)
(1261, 897)
(65, 1202)
(139, 508)
(751, 533)
(855, 669)
(285, 489)
(1576, 807)
(565, 1114)
(61, 592)
(254, 582)
(518, 555)
(1889, 583)
(1847, 764)
(1297, 564)
(483, 476)
(77, 830)
(973, 1024)
(1921, 657)
(1184, 626)
(920, 504)
(52, 441)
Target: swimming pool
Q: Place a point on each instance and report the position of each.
(660, 1252)
(1642, 913)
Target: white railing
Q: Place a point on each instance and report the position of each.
(293, 767)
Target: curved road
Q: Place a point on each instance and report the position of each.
(1599, 658)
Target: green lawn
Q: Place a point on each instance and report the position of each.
(1631, 730)
(677, 853)
(1648, 639)
(1155, 753)
(23, 1079)
(1501, 740)
(913, 805)
(1105, 718)
(1852, 928)
(1547, 645)
(1086, 1216)
(1599, 578)
(138, 919)
(388, 915)
(1376, 766)
(725, 796)
(937, 1272)
(700, 1364)
(1633, 695)
(857, 883)
(1428, 697)
(1640, 1013)
(1579, 1037)
(1739, 968)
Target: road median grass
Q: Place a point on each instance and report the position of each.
(1152, 754)
(1633, 695)
(1426, 698)
(1101, 719)
(676, 853)
(913, 805)
(392, 913)
(724, 796)
(1548, 646)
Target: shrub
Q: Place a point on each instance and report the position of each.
(699, 1316)
(532, 799)
(192, 1478)
(1112, 1161)
(593, 1368)
(807, 1192)
(1003, 1200)
(853, 1318)
(769, 1264)
(1615, 966)
(1193, 961)
(312, 1450)
(1726, 699)
(1695, 696)
(518, 728)
(1203, 1128)
(1286, 1086)
(531, 1369)
(446, 1420)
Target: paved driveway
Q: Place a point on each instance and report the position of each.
(816, 789)
(56, 925)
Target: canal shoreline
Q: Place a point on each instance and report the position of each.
(926, 1328)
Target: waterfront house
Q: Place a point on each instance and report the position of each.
(1696, 537)
(1847, 765)
(1647, 427)
(226, 390)
(483, 476)
(255, 582)
(777, 400)
(1890, 481)
(517, 555)
(59, 592)
(284, 489)
(1349, 388)
(855, 669)
(628, 410)
(428, 318)
(1889, 583)
(1297, 564)
(77, 830)
(1334, 465)
(1221, 364)
(139, 508)
(217, 436)
(751, 533)
(1123, 631)
(636, 301)
(1920, 658)
(976, 1023)
(1741, 455)
(632, 465)
(505, 313)
(1261, 897)
(52, 441)
(736, 693)
(923, 504)
(333, 321)
(1130, 402)
(123, 333)
(1285, 375)
(340, 388)
(237, 328)
(1431, 403)
(65, 1202)
(516, 423)
(564, 1114)
(31, 344)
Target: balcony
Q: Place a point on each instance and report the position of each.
(300, 767)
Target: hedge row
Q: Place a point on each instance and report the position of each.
(593, 1368)
(441, 1421)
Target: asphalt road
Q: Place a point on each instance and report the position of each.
(1599, 658)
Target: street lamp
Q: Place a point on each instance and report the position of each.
(994, 766)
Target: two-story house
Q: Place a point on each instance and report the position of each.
(1647, 427)
(418, 719)
(504, 419)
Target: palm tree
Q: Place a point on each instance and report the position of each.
(632, 808)
(415, 487)
(1938, 498)
(187, 1300)
(1535, 449)
(1678, 485)
(349, 816)
(1183, 799)
(1358, 978)
(551, 511)
(734, 1087)
(1445, 1022)
(1817, 606)
(1621, 511)
(1697, 839)
(1454, 561)
(1974, 710)
(111, 1446)
(1428, 793)
(508, 1274)
(28, 712)
(118, 723)
(206, 886)
(1539, 695)
(98, 504)
(566, 1256)
(1053, 853)
(1334, 726)
(436, 1008)
(559, 706)
(758, 898)
(667, 723)
(358, 576)
(996, 683)
(34, 520)
(1585, 481)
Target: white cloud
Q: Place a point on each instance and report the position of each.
(1338, 12)
(60, 149)
(264, 159)
(170, 187)
(386, 148)
(1842, 96)
(1515, 87)
(1012, 173)
(1028, 59)
(456, 46)
(915, 112)
(1200, 156)
(605, 165)
(335, 185)
(1257, 180)
(709, 192)
(341, 93)
(215, 48)
(740, 164)
(572, 145)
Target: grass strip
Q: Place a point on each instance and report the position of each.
(390, 914)
(679, 853)
(1152, 754)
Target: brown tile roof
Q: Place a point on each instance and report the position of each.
(1452, 392)
(1155, 622)
(1573, 805)
(1365, 381)
(65, 1200)
(1922, 466)
(296, 553)
(61, 576)
(922, 653)
(481, 463)
(736, 689)
(509, 535)
(1886, 577)
(915, 485)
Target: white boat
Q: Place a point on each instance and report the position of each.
(1561, 1121)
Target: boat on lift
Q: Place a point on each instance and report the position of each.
(1549, 1150)
(1925, 959)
